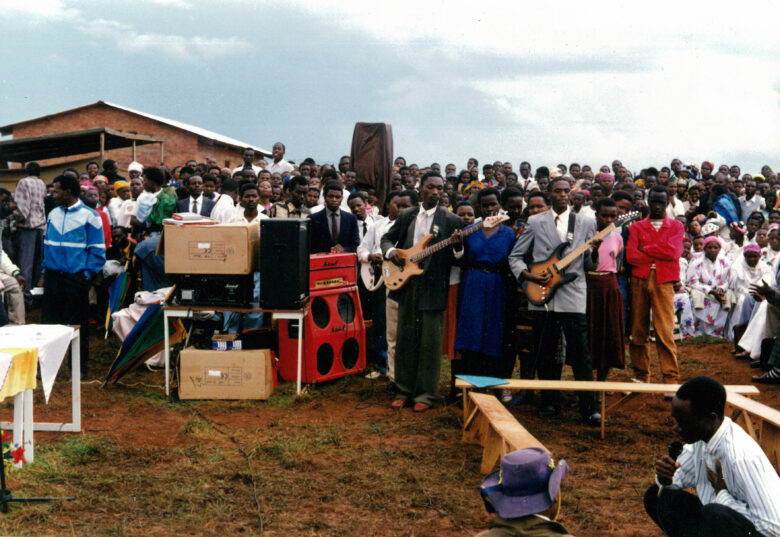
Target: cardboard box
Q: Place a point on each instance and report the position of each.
(211, 249)
(209, 374)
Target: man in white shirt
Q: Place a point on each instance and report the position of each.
(279, 164)
(738, 490)
(249, 158)
(750, 202)
(385, 308)
(357, 204)
(225, 208)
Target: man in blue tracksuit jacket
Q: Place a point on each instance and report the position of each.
(73, 253)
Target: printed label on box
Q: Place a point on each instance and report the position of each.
(207, 251)
(230, 376)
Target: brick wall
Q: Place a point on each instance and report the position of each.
(179, 145)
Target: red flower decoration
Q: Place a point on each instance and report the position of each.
(18, 455)
(6, 436)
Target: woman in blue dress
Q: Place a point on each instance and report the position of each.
(482, 297)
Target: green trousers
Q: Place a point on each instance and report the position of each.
(418, 348)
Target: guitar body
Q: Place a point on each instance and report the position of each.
(540, 295)
(371, 275)
(396, 277)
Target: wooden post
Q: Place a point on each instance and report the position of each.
(162, 154)
(134, 150)
(102, 147)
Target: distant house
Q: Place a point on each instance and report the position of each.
(103, 130)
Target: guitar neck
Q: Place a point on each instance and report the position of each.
(577, 252)
(446, 242)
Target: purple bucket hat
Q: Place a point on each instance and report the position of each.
(526, 484)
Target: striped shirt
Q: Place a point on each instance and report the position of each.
(28, 197)
(74, 241)
(752, 485)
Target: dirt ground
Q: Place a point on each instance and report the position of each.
(337, 461)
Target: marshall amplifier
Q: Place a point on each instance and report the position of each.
(214, 289)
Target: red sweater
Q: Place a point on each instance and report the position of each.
(663, 247)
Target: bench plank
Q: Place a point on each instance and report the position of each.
(495, 428)
(596, 386)
(768, 420)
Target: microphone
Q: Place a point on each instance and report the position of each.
(675, 448)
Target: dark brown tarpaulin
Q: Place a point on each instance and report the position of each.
(372, 157)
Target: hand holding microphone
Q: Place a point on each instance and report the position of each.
(667, 466)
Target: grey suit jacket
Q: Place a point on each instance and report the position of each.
(540, 232)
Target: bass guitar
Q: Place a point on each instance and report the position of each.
(555, 265)
(396, 276)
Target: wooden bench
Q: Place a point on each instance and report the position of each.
(627, 388)
(489, 423)
(760, 421)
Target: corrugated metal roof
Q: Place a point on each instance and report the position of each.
(178, 124)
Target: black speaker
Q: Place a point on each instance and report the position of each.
(284, 263)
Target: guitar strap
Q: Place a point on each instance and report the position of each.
(570, 231)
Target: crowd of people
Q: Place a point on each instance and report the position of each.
(657, 255)
(700, 258)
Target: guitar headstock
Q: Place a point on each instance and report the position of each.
(627, 218)
(493, 221)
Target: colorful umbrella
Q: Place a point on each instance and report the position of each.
(117, 293)
(144, 341)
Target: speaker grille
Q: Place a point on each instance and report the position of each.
(320, 312)
(324, 359)
(350, 353)
(346, 308)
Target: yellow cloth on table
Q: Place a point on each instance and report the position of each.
(23, 371)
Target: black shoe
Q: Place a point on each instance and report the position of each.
(770, 377)
(594, 420)
(549, 411)
(755, 364)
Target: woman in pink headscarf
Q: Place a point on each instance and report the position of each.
(708, 276)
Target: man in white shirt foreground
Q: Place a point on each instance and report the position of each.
(738, 490)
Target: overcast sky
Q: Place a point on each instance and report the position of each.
(560, 82)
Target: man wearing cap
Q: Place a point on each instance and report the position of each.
(524, 494)
(135, 169)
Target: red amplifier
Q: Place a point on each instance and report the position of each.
(334, 338)
(330, 271)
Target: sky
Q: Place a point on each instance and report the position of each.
(568, 81)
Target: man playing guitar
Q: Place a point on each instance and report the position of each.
(422, 301)
(566, 310)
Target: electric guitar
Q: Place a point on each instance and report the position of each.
(396, 276)
(371, 275)
(554, 266)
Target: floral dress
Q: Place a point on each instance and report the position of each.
(704, 275)
(682, 305)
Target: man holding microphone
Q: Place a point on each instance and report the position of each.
(737, 489)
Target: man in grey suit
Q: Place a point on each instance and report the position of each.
(545, 232)
(421, 302)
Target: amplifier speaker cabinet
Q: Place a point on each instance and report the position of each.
(334, 338)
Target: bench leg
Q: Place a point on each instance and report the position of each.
(603, 412)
